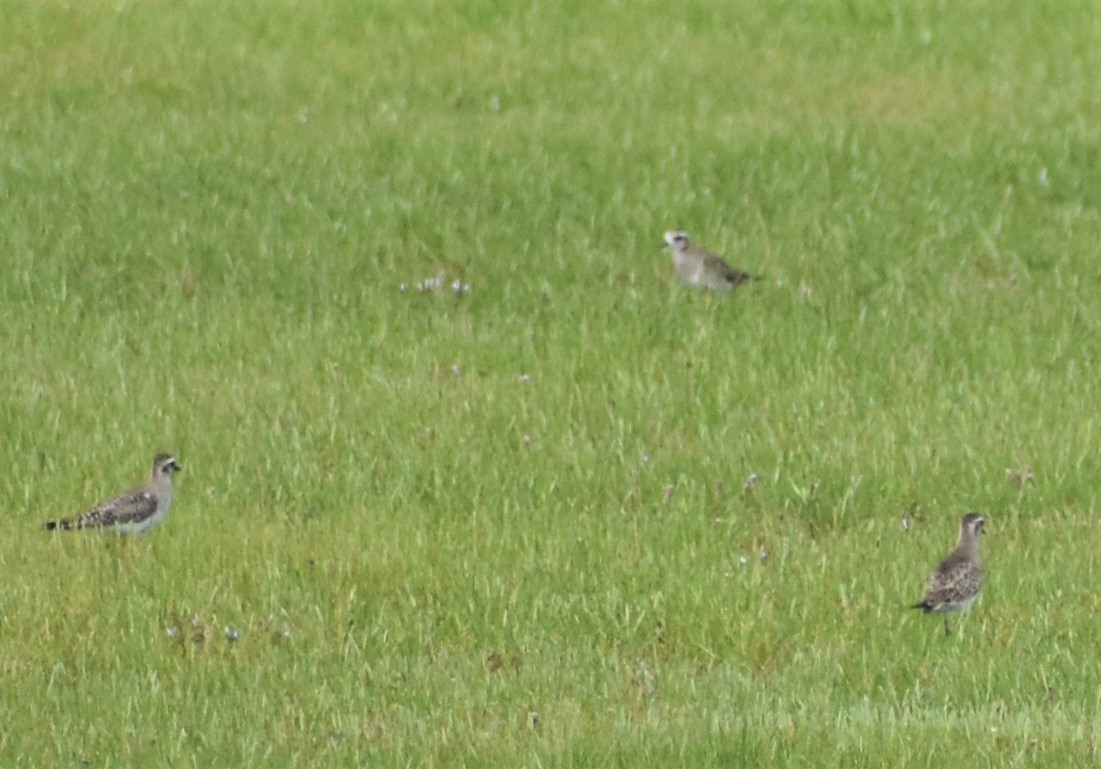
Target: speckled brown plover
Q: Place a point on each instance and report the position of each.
(700, 269)
(955, 584)
(131, 512)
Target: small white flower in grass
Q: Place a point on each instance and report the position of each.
(433, 282)
(751, 481)
(232, 634)
(281, 631)
(525, 378)
(1043, 177)
(172, 631)
(743, 560)
(459, 287)
(304, 117)
(403, 287)
(527, 441)
(456, 369)
(495, 103)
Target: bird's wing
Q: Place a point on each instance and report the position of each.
(129, 507)
(952, 581)
(728, 273)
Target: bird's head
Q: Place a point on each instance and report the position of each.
(676, 239)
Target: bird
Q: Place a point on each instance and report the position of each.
(700, 269)
(956, 582)
(131, 512)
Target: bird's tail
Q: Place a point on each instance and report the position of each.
(925, 606)
(61, 523)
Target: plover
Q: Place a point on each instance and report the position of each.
(957, 580)
(131, 512)
(698, 268)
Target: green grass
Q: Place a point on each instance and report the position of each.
(509, 528)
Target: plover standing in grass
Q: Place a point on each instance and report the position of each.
(131, 512)
(698, 268)
(957, 580)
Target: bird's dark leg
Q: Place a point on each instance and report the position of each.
(946, 630)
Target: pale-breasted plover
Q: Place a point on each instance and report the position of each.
(134, 511)
(698, 268)
(957, 580)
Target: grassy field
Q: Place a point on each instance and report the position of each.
(511, 526)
